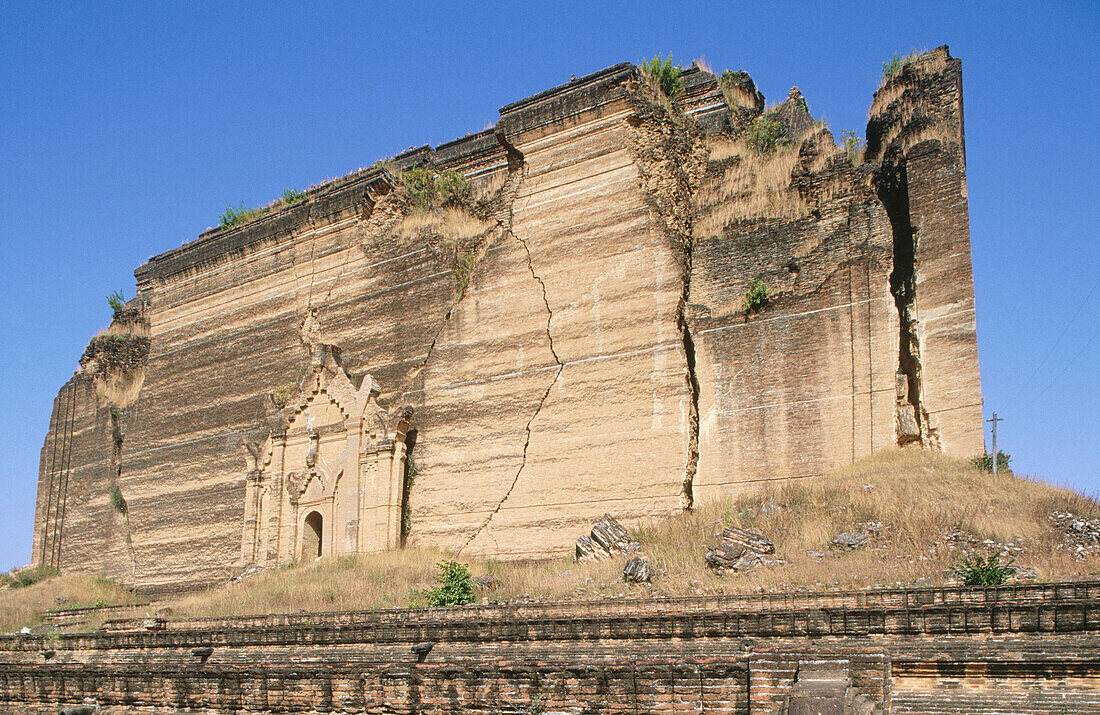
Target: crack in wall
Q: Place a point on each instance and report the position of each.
(687, 494)
(671, 160)
(116, 475)
(542, 400)
(913, 422)
(504, 225)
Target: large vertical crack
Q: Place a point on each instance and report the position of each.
(687, 494)
(671, 160)
(913, 424)
(546, 393)
(118, 501)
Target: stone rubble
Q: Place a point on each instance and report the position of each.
(607, 537)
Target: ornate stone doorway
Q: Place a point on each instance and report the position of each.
(330, 482)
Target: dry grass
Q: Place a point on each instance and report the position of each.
(452, 224)
(752, 186)
(23, 606)
(930, 509)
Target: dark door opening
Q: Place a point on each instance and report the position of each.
(311, 536)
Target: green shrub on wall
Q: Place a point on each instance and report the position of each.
(664, 75)
(756, 297)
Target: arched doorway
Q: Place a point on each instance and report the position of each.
(311, 536)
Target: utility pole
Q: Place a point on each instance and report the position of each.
(995, 420)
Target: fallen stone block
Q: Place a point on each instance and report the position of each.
(637, 570)
(850, 540)
(751, 540)
(607, 537)
(724, 555)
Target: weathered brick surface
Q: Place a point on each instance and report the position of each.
(989, 649)
(599, 359)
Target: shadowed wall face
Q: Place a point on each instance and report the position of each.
(567, 331)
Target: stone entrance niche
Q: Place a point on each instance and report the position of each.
(331, 482)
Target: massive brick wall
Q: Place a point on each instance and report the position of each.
(599, 357)
(1031, 649)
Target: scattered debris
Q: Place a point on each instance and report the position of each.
(739, 550)
(1081, 536)
(850, 540)
(637, 570)
(486, 582)
(606, 538)
(751, 540)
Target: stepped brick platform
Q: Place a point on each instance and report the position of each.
(1028, 648)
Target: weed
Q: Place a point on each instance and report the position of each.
(428, 189)
(664, 75)
(117, 500)
(853, 146)
(99, 603)
(281, 397)
(463, 269)
(455, 587)
(977, 570)
(766, 136)
(756, 298)
(291, 195)
(985, 462)
(233, 216)
(893, 66)
(116, 301)
(535, 706)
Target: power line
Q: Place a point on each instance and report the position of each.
(1063, 334)
(1071, 361)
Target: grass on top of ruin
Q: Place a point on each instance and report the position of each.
(922, 512)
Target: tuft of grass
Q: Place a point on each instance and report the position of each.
(663, 76)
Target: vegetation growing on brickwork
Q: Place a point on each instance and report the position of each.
(978, 570)
(892, 67)
(118, 502)
(747, 186)
(985, 462)
(235, 215)
(281, 396)
(756, 298)
(428, 188)
(853, 145)
(766, 136)
(664, 76)
(116, 302)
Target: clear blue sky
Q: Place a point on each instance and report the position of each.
(125, 129)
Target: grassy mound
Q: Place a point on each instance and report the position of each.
(921, 512)
(23, 605)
